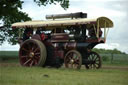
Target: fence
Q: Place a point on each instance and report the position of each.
(115, 58)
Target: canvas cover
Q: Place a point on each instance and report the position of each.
(103, 22)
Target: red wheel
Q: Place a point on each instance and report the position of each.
(73, 59)
(32, 53)
(94, 61)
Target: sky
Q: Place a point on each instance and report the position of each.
(116, 10)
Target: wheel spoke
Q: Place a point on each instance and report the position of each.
(96, 58)
(74, 56)
(23, 56)
(36, 49)
(94, 65)
(92, 56)
(37, 58)
(90, 66)
(27, 61)
(67, 60)
(37, 53)
(25, 49)
(70, 55)
(31, 63)
(76, 61)
(33, 48)
(97, 63)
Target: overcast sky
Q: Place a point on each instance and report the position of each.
(116, 10)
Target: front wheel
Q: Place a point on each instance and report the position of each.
(94, 61)
(73, 59)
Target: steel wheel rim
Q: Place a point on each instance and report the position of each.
(95, 61)
(73, 60)
(30, 54)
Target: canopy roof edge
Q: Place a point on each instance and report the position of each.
(65, 22)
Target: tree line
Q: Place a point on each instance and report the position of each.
(108, 51)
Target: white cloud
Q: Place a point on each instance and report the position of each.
(98, 11)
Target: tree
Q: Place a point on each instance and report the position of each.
(10, 13)
(64, 3)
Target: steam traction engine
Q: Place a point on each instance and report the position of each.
(62, 39)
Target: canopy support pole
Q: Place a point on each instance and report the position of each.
(94, 28)
(105, 31)
(97, 29)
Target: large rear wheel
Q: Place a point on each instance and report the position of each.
(32, 53)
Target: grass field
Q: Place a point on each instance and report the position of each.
(9, 53)
(4, 55)
(14, 74)
(11, 73)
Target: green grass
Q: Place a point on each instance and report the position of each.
(9, 53)
(117, 63)
(13, 74)
(5, 55)
(17, 75)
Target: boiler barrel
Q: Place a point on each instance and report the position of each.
(70, 15)
(75, 45)
(81, 45)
